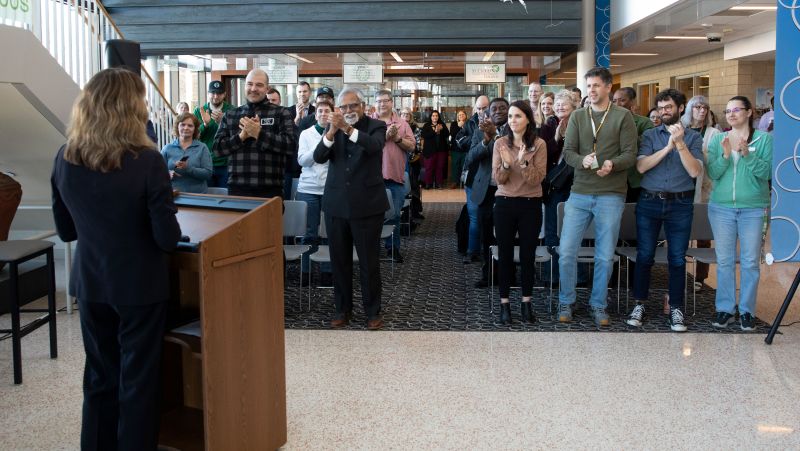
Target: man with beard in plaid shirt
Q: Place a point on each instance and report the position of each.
(258, 137)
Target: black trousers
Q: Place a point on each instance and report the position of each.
(245, 191)
(486, 223)
(512, 216)
(365, 234)
(121, 378)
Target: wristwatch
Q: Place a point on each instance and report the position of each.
(349, 130)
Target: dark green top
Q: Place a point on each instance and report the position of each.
(642, 124)
(616, 141)
(207, 133)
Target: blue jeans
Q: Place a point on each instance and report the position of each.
(311, 238)
(474, 240)
(579, 211)
(398, 196)
(675, 215)
(219, 177)
(728, 225)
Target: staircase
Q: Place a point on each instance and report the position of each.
(73, 32)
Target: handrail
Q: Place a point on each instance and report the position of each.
(73, 32)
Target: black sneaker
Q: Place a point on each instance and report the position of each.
(676, 320)
(722, 319)
(747, 322)
(636, 316)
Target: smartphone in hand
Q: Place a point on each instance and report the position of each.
(184, 158)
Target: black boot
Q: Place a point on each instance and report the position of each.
(505, 314)
(526, 311)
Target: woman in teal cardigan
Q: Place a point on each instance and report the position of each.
(740, 166)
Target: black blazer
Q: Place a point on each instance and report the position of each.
(354, 187)
(435, 142)
(125, 221)
(292, 166)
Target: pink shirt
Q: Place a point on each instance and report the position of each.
(394, 158)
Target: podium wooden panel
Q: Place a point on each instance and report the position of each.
(231, 392)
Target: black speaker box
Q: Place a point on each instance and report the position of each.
(122, 53)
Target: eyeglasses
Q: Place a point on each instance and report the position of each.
(735, 110)
(383, 101)
(351, 106)
(665, 108)
(701, 107)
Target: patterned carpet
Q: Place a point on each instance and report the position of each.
(433, 291)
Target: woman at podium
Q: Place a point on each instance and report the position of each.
(111, 191)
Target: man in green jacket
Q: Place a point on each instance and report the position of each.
(625, 97)
(601, 145)
(210, 115)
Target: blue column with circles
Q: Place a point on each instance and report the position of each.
(785, 235)
(602, 32)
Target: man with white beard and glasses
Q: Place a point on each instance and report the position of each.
(354, 202)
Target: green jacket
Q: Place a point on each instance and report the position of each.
(642, 124)
(742, 184)
(207, 132)
(616, 141)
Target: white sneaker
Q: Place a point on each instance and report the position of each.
(636, 316)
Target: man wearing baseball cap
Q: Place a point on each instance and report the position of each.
(309, 121)
(210, 116)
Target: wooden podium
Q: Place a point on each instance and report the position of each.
(224, 382)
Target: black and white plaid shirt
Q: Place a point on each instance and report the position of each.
(259, 162)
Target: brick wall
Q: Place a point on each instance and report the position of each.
(727, 78)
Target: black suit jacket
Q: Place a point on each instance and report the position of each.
(125, 221)
(354, 187)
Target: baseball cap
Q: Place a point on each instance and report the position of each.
(325, 91)
(215, 87)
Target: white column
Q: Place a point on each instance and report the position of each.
(585, 58)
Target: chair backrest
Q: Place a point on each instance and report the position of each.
(389, 212)
(294, 218)
(218, 191)
(295, 182)
(701, 227)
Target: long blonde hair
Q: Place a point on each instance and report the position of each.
(108, 119)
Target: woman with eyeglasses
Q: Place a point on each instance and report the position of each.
(697, 117)
(739, 165)
(655, 118)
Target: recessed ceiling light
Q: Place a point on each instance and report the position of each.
(681, 37)
(754, 8)
(634, 54)
(411, 66)
(396, 57)
(298, 57)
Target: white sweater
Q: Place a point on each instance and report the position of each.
(312, 179)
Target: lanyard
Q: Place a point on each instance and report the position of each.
(596, 129)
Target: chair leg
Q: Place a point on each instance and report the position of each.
(51, 303)
(491, 285)
(619, 271)
(627, 284)
(15, 332)
(694, 288)
(550, 294)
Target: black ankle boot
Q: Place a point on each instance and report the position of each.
(505, 314)
(526, 312)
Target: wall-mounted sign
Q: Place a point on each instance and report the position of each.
(485, 72)
(17, 11)
(281, 74)
(362, 73)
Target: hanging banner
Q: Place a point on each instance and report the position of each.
(362, 73)
(17, 10)
(785, 234)
(281, 74)
(485, 72)
(602, 33)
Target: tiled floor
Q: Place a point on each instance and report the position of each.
(477, 390)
